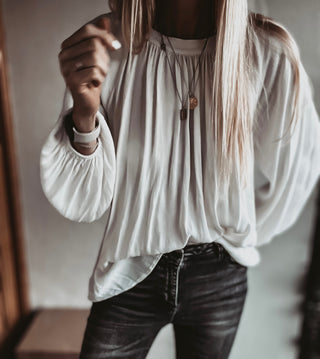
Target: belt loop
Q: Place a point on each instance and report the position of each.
(221, 251)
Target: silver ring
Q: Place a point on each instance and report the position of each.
(78, 65)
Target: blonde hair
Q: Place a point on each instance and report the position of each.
(232, 113)
(263, 23)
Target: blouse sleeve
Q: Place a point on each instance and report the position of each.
(287, 167)
(80, 187)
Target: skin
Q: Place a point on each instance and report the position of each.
(84, 56)
(186, 19)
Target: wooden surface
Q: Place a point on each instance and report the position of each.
(11, 182)
(9, 301)
(14, 297)
(54, 333)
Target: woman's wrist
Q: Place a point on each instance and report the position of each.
(83, 123)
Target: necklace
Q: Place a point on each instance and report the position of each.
(190, 97)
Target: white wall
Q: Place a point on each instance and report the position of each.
(60, 253)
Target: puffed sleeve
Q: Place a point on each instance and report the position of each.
(286, 168)
(80, 187)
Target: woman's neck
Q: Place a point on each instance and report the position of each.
(187, 19)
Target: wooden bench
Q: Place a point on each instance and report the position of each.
(54, 334)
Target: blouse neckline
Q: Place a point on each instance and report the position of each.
(183, 46)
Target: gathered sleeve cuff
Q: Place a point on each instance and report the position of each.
(80, 187)
(287, 167)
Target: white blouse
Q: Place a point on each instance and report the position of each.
(152, 175)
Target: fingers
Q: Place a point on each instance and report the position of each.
(86, 60)
(80, 81)
(89, 45)
(104, 23)
(86, 54)
(89, 31)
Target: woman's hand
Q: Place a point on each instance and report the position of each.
(84, 63)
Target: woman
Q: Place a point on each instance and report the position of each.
(205, 147)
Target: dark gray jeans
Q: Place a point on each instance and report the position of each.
(199, 289)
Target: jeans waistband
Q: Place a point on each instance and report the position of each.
(203, 248)
(196, 250)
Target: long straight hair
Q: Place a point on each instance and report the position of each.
(232, 113)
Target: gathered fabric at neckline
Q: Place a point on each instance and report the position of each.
(191, 47)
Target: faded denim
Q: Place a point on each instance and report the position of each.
(200, 289)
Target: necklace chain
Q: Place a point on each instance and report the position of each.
(193, 101)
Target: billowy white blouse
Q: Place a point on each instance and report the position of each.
(152, 175)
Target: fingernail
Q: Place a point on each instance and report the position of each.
(116, 44)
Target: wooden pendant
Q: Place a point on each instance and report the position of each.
(183, 114)
(193, 102)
